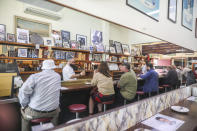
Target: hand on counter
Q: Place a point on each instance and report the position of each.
(83, 73)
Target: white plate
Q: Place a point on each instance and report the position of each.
(180, 109)
(87, 83)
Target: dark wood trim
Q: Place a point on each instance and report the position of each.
(140, 11)
(20, 44)
(196, 29)
(169, 11)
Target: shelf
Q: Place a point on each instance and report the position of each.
(20, 44)
(69, 49)
(23, 58)
(118, 54)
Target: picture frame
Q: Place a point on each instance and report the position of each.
(113, 59)
(74, 44)
(118, 46)
(65, 36)
(34, 26)
(96, 37)
(82, 40)
(112, 50)
(125, 49)
(57, 38)
(66, 45)
(100, 48)
(22, 52)
(187, 14)
(2, 32)
(22, 35)
(112, 46)
(148, 7)
(48, 41)
(11, 37)
(172, 10)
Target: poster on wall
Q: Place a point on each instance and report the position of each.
(147, 7)
(97, 40)
(2, 32)
(172, 10)
(187, 13)
(22, 35)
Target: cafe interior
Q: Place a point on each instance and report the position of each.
(88, 34)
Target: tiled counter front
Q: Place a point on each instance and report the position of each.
(127, 116)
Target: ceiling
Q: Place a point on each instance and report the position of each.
(43, 4)
(164, 48)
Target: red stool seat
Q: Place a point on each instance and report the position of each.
(108, 102)
(39, 120)
(77, 108)
(140, 92)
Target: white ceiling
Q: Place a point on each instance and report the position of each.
(43, 4)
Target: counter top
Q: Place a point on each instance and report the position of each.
(11, 100)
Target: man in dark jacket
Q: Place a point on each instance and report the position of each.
(171, 77)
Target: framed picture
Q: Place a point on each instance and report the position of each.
(2, 32)
(147, 7)
(66, 45)
(22, 35)
(65, 36)
(196, 29)
(100, 48)
(114, 59)
(82, 40)
(126, 49)
(112, 49)
(22, 52)
(11, 37)
(57, 38)
(96, 37)
(34, 26)
(118, 46)
(48, 41)
(172, 10)
(187, 13)
(74, 44)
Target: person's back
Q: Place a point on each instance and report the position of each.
(46, 90)
(128, 84)
(172, 78)
(151, 80)
(190, 78)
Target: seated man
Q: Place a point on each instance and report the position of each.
(171, 77)
(39, 95)
(151, 80)
(127, 84)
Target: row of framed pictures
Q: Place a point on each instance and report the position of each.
(151, 9)
(119, 48)
(23, 52)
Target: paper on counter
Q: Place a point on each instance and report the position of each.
(163, 122)
(64, 88)
(192, 98)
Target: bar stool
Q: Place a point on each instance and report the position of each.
(139, 93)
(107, 103)
(77, 108)
(41, 121)
(166, 86)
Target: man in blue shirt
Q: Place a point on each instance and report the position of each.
(151, 80)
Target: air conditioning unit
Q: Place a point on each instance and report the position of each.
(42, 13)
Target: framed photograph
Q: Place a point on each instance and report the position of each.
(112, 49)
(57, 38)
(66, 45)
(172, 10)
(22, 52)
(34, 26)
(187, 13)
(11, 37)
(82, 40)
(22, 35)
(100, 48)
(113, 59)
(65, 36)
(96, 37)
(113, 66)
(2, 32)
(118, 46)
(147, 7)
(196, 29)
(74, 44)
(126, 49)
(48, 41)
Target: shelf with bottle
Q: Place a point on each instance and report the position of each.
(20, 44)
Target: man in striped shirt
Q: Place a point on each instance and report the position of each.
(39, 95)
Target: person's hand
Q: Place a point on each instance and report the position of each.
(83, 73)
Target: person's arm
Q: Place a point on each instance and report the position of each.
(122, 82)
(78, 75)
(145, 75)
(94, 81)
(26, 91)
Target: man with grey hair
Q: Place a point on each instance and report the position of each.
(39, 95)
(68, 72)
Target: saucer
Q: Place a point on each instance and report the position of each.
(180, 109)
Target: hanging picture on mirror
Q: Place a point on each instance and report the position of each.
(22, 35)
(82, 40)
(2, 32)
(172, 10)
(11, 37)
(187, 14)
(147, 7)
(65, 36)
(57, 38)
(118, 46)
(48, 41)
(126, 49)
